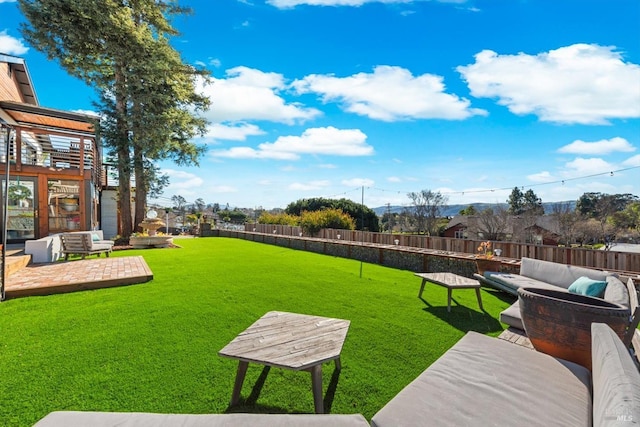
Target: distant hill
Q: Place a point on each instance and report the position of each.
(453, 210)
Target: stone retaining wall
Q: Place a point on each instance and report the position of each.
(400, 257)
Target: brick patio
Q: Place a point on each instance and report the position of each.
(71, 276)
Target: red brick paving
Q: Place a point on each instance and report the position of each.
(59, 277)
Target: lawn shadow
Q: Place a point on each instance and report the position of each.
(331, 391)
(464, 318)
(501, 295)
(250, 405)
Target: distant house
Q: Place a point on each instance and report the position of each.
(54, 159)
(457, 227)
(543, 231)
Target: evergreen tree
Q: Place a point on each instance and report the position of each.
(147, 95)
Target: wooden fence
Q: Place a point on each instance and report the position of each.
(605, 260)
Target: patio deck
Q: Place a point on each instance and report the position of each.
(71, 276)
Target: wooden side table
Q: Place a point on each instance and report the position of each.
(291, 341)
(450, 281)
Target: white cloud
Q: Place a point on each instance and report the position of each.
(191, 186)
(632, 161)
(287, 4)
(252, 153)
(327, 141)
(311, 185)
(87, 112)
(604, 146)
(358, 182)
(581, 166)
(328, 166)
(390, 94)
(11, 45)
(221, 189)
(543, 176)
(581, 83)
(186, 178)
(232, 132)
(394, 179)
(250, 94)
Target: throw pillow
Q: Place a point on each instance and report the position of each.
(585, 286)
(95, 237)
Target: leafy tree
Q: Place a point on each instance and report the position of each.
(146, 92)
(389, 220)
(200, 204)
(364, 217)
(602, 208)
(313, 221)
(527, 202)
(516, 202)
(468, 211)
(532, 203)
(427, 207)
(627, 222)
(179, 203)
(597, 205)
(236, 216)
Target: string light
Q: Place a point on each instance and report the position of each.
(491, 190)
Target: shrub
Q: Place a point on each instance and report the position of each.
(279, 219)
(313, 221)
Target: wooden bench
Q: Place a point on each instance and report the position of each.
(82, 243)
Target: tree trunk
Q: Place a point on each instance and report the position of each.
(124, 157)
(141, 185)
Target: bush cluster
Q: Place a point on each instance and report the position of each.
(311, 221)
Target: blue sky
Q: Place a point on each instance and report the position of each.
(320, 98)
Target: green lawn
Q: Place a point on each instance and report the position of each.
(153, 347)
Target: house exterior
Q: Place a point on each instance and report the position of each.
(54, 160)
(544, 229)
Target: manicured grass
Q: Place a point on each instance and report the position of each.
(153, 347)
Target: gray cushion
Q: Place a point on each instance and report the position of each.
(511, 316)
(137, 419)
(616, 380)
(616, 292)
(484, 381)
(515, 281)
(101, 246)
(557, 274)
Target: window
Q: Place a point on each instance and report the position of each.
(64, 205)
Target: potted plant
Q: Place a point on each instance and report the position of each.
(485, 260)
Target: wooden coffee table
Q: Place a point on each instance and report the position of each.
(450, 281)
(291, 341)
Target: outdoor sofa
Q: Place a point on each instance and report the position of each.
(85, 243)
(480, 381)
(551, 275)
(50, 248)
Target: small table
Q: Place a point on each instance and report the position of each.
(291, 341)
(450, 281)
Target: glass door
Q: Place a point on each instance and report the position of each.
(21, 215)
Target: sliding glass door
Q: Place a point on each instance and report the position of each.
(22, 213)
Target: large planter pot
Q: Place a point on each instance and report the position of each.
(559, 323)
(484, 264)
(143, 242)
